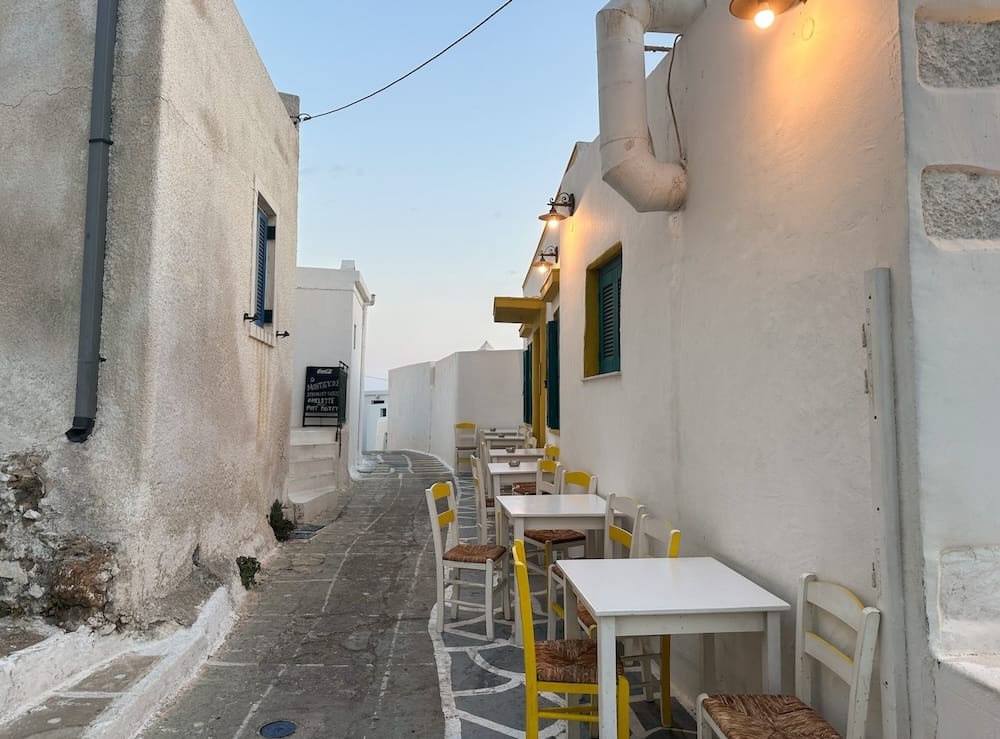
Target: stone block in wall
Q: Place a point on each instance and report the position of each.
(961, 203)
(958, 54)
(969, 600)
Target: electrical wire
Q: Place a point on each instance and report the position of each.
(670, 100)
(302, 117)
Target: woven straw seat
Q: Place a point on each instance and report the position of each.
(478, 553)
(585, 616)
(767, 717)
(555, 536)
(569, 661)
(524, 488)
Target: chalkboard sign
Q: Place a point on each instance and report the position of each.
(325, 401)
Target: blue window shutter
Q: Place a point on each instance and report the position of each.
(552, 374)
(260, 287)
(609, 296)
(526, 376)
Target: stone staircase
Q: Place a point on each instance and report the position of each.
(314, 467)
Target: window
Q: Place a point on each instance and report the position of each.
(602, 341)
(526, 388)
(264, 265)
(552, 375)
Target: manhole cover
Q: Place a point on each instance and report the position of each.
(304, 531)
(277, 729)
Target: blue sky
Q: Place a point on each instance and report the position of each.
(434, 186)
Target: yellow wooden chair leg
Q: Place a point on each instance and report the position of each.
(623, 709)
(666, 707)
(531, 719)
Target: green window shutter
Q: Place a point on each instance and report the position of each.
(609, 300)
(260, 278)
(526, 376)
(552, 375)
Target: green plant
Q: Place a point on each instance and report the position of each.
(249, 567)
(279, 523)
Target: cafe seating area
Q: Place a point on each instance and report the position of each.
(607, 583)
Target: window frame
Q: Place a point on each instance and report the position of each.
(603, 273)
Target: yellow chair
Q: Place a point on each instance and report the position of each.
(551, 451)
(566, 666)
(465, 441)
(484, 502)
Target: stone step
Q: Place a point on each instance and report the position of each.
(311, 483)
(313, 435)
(298, 452)
(300, 468)
(312, 505)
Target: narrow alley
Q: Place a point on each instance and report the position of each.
(334, 637)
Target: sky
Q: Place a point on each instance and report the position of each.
(434, 186)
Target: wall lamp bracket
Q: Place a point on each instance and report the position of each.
(282, 334)
(248, 317)
(563, 200)
(549, 252)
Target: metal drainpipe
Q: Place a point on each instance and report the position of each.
(96, 223)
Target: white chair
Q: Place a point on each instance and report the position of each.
(452, 557)
(623, 525)
(484, 501)
(774, 715)
(552, 540)
(546, 481)
(658, 538)
(466, 434)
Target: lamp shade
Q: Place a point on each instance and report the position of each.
(552, 215)
(747, 9)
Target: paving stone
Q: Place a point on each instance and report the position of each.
(119, 675)
(57, 718)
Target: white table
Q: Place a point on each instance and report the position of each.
(501, 473)
(680, 595)
(502, 455)
(581, 512)
(495, 440)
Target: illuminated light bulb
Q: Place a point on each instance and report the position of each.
(764, 16)
(553, 224)
(542, 268)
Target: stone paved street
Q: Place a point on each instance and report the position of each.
(339, 636)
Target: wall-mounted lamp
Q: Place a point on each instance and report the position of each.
(761, 12)
(549, 252)
(562, 200)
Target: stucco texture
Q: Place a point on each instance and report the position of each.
(190, 444)
(740, 410)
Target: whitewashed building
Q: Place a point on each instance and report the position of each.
(789, 345)
(375, 420)
(147, 413)
(331, 333)
(428, 399)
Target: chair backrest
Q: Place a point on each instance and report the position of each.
(524, 614)
(853, 666)
(551, 451)
(623, 521)
(529, 441)
(577, 481)
(659, 538)
(465, 435)
(444, 523)
(547, 477)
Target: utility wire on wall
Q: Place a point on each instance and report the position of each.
(306, 117)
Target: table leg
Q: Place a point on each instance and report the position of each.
(607, 677)
(708, 662)
(571, 626)
(504, 541)
(519, 534)
(772, 655)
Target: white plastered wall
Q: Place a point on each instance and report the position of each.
(330, 307)
(192, 424)
(410, 388)
(740, 412)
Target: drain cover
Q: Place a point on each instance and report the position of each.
(278, 729)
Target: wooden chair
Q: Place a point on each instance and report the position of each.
(657, 538)
(484, 501)
(551, 452)
(452, 557)
(566, 666)
(465, 441)
(571, 481)
(786, 715)
(623, 524)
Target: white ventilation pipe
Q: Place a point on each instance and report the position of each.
(627, 159)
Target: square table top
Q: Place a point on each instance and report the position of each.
(503, 433)
(550, 506)
(502, 453)
(527, 466)
(665, 586)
